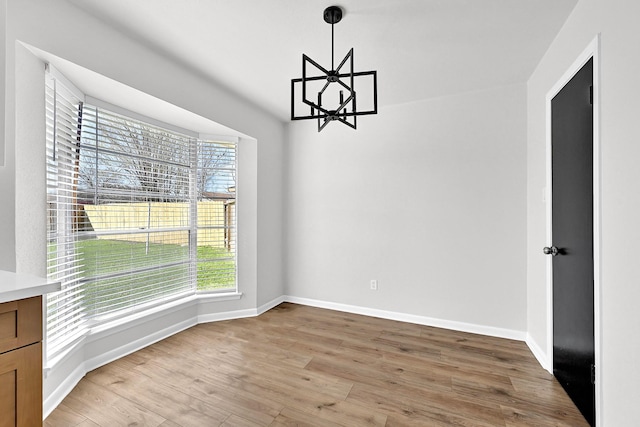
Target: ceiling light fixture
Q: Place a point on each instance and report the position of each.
(331, 96)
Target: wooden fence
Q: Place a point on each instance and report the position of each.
(216, 222)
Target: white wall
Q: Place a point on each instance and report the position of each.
(3, 49)
(30, 199)
(617, 21)
(428, 198)
(7, 168)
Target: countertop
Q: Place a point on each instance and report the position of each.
(15, 286)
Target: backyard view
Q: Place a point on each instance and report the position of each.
(99, 262)
(148, 277)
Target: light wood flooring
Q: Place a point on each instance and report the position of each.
(304, 366)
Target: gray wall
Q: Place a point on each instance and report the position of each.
(428, 198)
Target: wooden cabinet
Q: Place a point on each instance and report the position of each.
(21, 363)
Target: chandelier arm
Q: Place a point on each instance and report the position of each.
(342, 114)
(320, 108)
(344, 121)
(315, 64)
(354, 74)
(346, 57)
(322, 126)
(344, 85)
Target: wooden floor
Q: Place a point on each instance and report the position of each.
(304, 366)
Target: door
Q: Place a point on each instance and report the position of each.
(572, 231)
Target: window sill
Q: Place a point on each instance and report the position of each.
(159, 310)
(208, 296)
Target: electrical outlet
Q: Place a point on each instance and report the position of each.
(374, 285)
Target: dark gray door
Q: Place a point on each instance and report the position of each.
(572, 229)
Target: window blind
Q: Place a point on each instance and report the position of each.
(138, 214)
(216, 212)
(65, 309)
(134, 193)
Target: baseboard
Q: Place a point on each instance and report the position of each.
(52, 401)
(411, 318)
(139, 344)
(273, 303)
(62, 389)
(540, 355)
(226, 315)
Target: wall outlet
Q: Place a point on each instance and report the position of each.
(374, 285)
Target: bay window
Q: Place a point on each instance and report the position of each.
(139, 214)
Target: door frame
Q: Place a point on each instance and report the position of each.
(591, 51)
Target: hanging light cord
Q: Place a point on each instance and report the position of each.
(332, 65)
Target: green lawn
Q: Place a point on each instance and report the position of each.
(100, 257)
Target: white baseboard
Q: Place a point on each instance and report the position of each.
(52, 401)
(542, 356)
(225, 315)
(64, 388)
(139, 344)
(273, 303)
(54, 398)
(104, 335)
(412, 318)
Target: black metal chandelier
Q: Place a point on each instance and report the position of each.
(330, 95)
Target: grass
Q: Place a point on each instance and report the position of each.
(103, 257)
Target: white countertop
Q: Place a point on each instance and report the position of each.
(15, 286)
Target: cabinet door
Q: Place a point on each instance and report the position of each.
(21, 387)
(20, 323)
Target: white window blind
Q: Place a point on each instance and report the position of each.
(216, 212)
(65, 309)
(141, 214)
(133, 192)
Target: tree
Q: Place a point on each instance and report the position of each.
(216, 169)
(132, 161)
(127, 160)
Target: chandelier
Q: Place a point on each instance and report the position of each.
(329, 95)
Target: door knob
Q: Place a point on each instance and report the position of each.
(551, 250)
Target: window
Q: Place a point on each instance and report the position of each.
(138, 214)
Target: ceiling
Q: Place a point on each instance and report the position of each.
(420, 48)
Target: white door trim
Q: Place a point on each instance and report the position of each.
(592, 51)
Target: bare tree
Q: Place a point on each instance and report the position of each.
(127, 159)
(140, 162)
(216, 168)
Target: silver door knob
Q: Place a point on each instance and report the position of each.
(550, 250)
